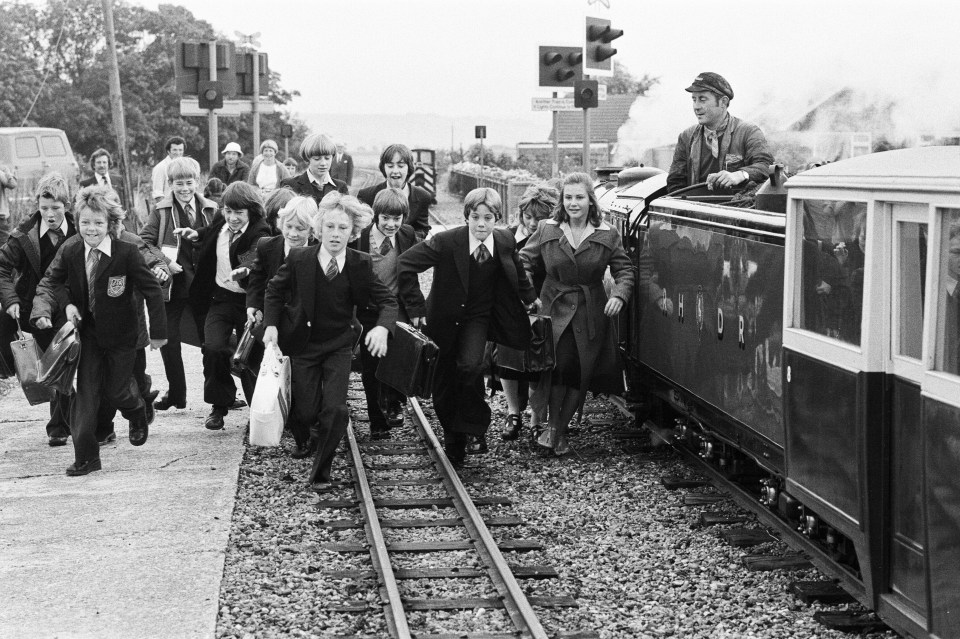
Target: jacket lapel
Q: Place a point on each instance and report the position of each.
(505, 254)
(308, 269)
(32, 248)
(461, 257)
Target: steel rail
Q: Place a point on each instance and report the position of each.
(515, 602)
(393, 607)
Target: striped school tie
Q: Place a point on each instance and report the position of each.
(332, 270)
(92, 260)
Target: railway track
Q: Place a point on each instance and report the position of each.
(475, 555)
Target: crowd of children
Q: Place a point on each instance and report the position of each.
(322, 274)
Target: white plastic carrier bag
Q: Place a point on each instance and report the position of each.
(270, 405)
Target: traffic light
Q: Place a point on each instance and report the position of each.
(243, 63)
(192, 67)
(598, 54)
(210, 95)
(560, 66)
(586, 94)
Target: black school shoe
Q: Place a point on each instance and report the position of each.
(511, 427)
(138, 430)
(165, 403)
(214, 419)
(477, 445)
(76, 469)
(57, 441)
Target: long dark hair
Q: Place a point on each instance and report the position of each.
(584, 180)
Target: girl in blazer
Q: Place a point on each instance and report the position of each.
(571, 252)
(478, 294)
(226, 251)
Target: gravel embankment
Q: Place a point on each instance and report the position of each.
(627, 549)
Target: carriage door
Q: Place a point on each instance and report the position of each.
(906, 581)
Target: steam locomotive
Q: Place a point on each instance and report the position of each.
(807, 353)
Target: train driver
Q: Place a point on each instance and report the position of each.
(721, 150)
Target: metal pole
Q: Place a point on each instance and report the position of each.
(213, 135)
(555, 169)
(586, 140)
(481, 163)
(286, 148)
(256, 101)
(116, 110)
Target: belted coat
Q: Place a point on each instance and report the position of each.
(574, 297)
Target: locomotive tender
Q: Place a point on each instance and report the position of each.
(810, 359)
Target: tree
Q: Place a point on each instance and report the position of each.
(62, 41)
(623, 82)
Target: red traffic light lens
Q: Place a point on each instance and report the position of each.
(210, 94)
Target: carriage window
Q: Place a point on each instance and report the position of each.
(832, 259)
(912, 238)
(948, 295)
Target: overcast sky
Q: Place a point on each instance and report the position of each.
(478, 58)
(473, 57)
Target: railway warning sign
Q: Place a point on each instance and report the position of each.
(554, 104)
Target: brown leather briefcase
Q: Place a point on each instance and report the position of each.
(26, 358)
(58, 366)
(410, 362)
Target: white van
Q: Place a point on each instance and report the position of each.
(31, 152)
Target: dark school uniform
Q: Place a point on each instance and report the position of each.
(158, 232)
(303, 185)
(107, 343)
(24, 259)
(469, 304)
(315, 330)
(225, 301)
(381, 397)
(419, 201)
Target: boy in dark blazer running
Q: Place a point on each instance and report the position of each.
(100, 276)
(479, 293)
(325, 285)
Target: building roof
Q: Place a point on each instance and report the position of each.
(605, 120)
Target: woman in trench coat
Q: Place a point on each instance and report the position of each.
(571, 252)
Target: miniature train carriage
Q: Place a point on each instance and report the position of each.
(813, 359)
(871, 358)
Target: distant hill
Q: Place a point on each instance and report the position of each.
(371, 132)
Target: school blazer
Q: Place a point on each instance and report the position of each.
(296, 281)
(242, 253)
(268, 260)
(420, 201)
(448, 254)
(118, 277)
(406, 237)
(301, 185)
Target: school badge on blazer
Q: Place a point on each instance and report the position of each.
(116, 286)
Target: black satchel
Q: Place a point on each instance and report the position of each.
(539, 355)
(58, 365)
(410, 362)
(240, 362)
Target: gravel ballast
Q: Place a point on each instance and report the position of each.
(633, 556)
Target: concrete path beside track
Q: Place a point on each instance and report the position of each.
(134, 550)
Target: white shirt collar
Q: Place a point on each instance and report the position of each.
(243, 229)
(377, 235)
(313, 178)
(105, 247)
(474, 243)
(105, 176)
(521, 233)
(325, 257)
